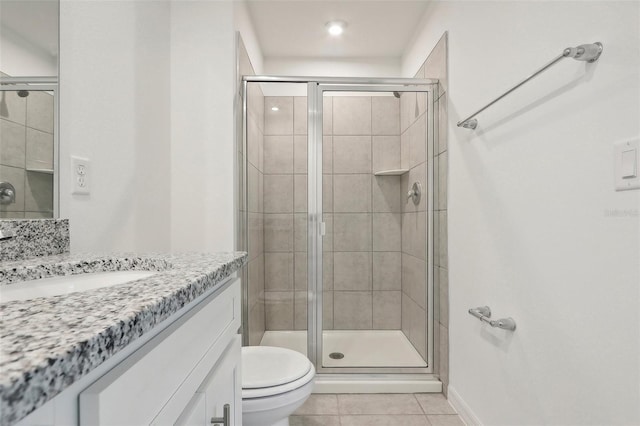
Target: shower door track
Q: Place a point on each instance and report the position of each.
(316, 86)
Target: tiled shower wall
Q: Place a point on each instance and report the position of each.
(435, 66)
(362, 248)
(26, 143)
(255, 210)
(413, 124)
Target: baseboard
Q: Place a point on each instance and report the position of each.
(351, 385)
(464, 411)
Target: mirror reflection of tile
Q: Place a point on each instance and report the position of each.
(26, 153)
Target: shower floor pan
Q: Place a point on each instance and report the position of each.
(361, 348)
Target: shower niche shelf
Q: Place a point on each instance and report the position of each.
(392, 172)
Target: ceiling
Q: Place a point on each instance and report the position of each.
(297, 28)
(34, 21)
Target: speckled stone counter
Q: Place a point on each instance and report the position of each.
(33, 238)
(46, 344)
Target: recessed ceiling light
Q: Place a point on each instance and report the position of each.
(335, 28)
(275, 109)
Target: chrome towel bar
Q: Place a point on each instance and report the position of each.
(483, 313)
(585, 52)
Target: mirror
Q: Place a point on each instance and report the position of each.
(28, 109)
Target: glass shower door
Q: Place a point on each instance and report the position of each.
(369, 305)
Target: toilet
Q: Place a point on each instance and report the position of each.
(275, 382)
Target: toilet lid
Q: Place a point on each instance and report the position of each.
(266, 366)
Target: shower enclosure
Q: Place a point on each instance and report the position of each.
(336, 214)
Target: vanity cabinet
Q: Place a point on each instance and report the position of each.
(196, 359)
(183, 372)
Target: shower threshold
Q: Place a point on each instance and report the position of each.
(353, 348)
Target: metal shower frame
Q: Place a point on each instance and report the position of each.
(316, 87)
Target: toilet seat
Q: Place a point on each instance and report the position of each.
(269, 371)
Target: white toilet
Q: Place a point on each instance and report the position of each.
(275, 382)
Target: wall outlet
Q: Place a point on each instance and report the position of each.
(81, 175)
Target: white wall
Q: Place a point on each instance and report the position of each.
(529, 199)
(147, 93)
(333, 67)
(114, 110)
(202, 144)
(18, 57)
(244, 24)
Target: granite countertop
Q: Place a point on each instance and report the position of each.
(46, 344)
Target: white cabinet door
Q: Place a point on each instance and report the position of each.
(223, 386)
(195, 414)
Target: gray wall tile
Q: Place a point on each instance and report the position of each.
(40, 111)
(327, 310)
(327, 115)
(278, 154)
(385, 112)
(352, 232)
(414, 279)
(300, 232)
(278, 122)
(352, 193)
(300, 310)
(278, 193)
(352, 310)
(300, 201)
(387, 271)
(300, 115)
(278, 232)
(279, 310)
(327, 154)
(386, 194)
(300, 271)
(278, 271)
(386, 152)
(442, 180)
(300, 154)
(418, 142)
(351, 115)
(352, 154)
(12, 148)
(352, 271)
(387, 314)
(387, 228)
(16, 107)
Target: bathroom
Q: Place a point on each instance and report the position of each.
(164, 108)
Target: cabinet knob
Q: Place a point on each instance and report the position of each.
(225, 420)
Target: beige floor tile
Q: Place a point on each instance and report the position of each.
(434, 403)
(377, 420)
(378, 404)
(443, 420)
(319, 404)
(314, 421)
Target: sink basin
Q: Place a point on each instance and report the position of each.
(56, 286)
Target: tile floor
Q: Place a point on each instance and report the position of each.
(420, 409)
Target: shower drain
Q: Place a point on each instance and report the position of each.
(336, 355)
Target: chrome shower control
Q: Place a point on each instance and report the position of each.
(7, 193)
(415, 193)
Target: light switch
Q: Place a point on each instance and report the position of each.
(626, 158)
(628, 167)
